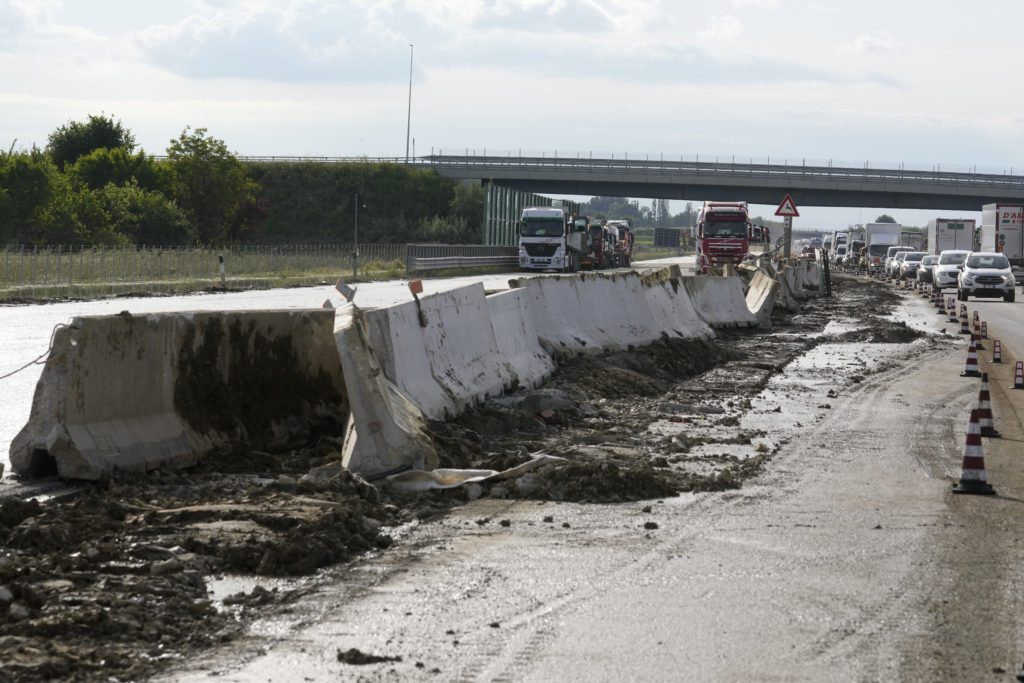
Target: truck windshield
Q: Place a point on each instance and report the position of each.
(713, 228)
(878, 249)
(954, 259)
(543, 227)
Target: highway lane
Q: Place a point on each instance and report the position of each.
(25, 330)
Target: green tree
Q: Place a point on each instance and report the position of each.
(211, 186)
(144, 216)
(467, 208)
(885, 218)
(77, 138)
(119, 166)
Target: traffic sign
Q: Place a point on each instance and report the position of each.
(787, 208)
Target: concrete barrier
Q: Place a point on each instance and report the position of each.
(784, 297)
(448, 364)
(386, 432)
(516, 337)
(720, 300)
(761, 298)
(134, 393)
(595, 312)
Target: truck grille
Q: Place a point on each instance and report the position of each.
(534, 249)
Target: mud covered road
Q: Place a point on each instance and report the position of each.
(767, 505)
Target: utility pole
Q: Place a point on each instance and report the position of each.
(408, 114)
(355, 240)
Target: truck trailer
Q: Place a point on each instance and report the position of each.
(878, 237)
(1001, 230)
(946, 234)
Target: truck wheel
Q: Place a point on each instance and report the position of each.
(1010, 296)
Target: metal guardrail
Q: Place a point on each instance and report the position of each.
(425, 257)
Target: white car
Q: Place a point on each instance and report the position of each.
(985, 274)
(946, 272)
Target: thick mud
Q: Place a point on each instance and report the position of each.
(115, 583)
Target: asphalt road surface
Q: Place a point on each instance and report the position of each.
(848, 560)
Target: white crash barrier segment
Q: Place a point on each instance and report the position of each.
(720, 300)
(451, 363)
(810, 275)
(125, 392)
(761, 298)
(672, 309)
(795, 282)
(784, 298)
(386, 432)
(516, 338)
(596, 312)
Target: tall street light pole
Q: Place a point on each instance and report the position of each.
(408, 115)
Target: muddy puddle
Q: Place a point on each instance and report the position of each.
(141, 572)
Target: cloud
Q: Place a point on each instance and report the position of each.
(722, 29)
(766, 4)
(874, 43)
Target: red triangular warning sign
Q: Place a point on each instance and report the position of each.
(787, 208)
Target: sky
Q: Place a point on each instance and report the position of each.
(924, 82)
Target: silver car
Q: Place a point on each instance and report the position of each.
(947, 270)
(910, 263)
(986, 274)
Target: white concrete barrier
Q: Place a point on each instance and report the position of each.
(516, 336)
(761, 297)
(386, 432)
(448, 364)
(125, 392)
(784, 298)
(595, 312)
(720, 300)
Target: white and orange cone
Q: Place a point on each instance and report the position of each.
(964, 328)
(972, 470)
(951, 310)
(997, 352)
(986, 421)
(1018, 375)
(976, 334)
(984, 330)
(971, 367)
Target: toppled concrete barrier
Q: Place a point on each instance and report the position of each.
(720, 300)
(761, 298)
(784, 296)
(446, 360)
(386, 432)
(134, 393)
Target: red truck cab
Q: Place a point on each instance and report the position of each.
(722, 234)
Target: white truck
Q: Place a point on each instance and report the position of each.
(946, 234)
(913, 239)
(878, 237)
(548, 240)
(1001, 230)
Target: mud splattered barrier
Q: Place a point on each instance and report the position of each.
(134, 393)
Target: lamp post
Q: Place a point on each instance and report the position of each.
(408, 114)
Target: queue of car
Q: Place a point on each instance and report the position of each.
(972, 273)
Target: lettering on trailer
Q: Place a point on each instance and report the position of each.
(1010, 217)
(787, 208)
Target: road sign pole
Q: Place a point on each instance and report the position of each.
(787, 234)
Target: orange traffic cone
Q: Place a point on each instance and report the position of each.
(1018, 375)
(976, 335)
(985, 419)
(951, 310)
(997, 352)
(964, 329)
(972, 470)
(971, 368)
(984, 330)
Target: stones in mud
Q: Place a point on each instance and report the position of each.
(6, 596)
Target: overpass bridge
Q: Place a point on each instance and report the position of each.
(755, 182)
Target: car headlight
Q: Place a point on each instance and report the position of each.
(1008, 279)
